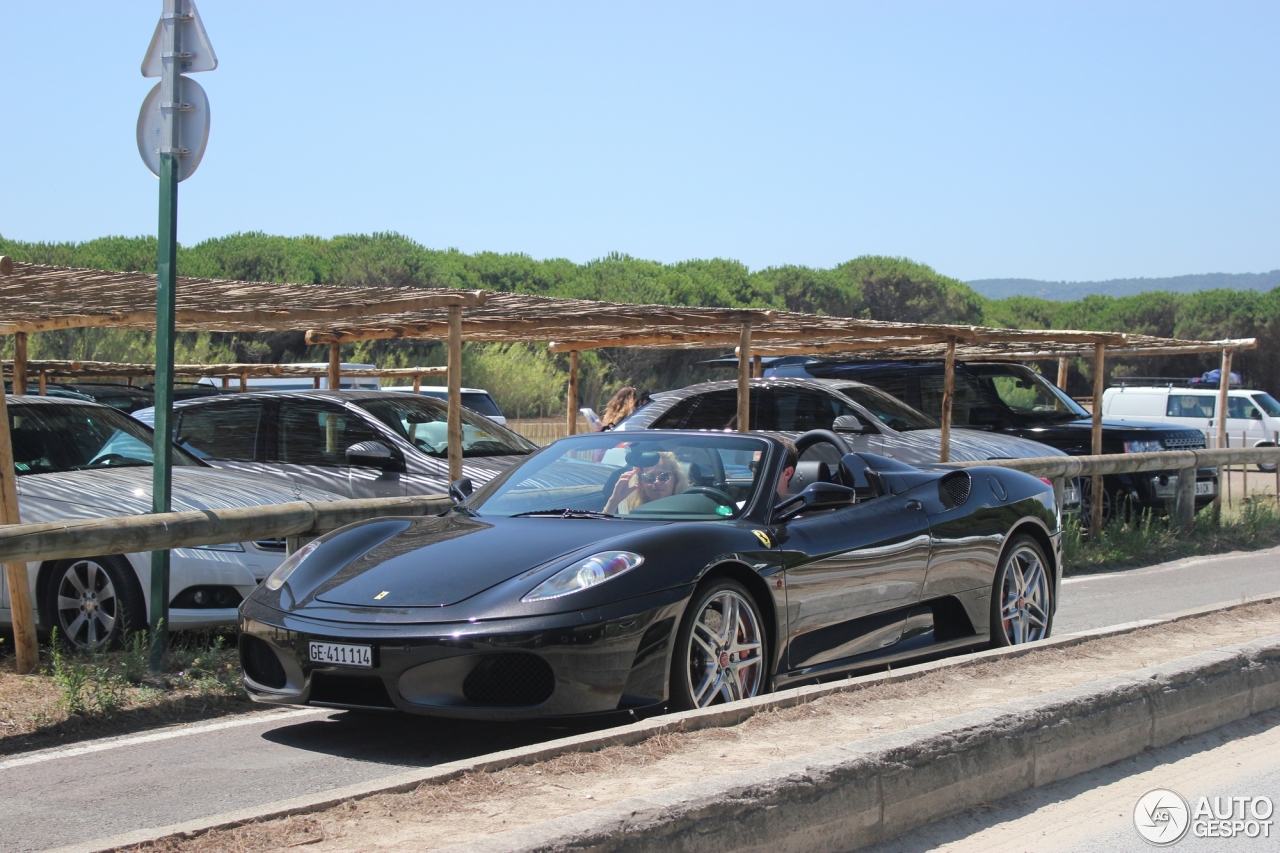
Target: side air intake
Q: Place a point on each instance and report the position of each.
(953, 489)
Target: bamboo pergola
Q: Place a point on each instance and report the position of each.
(70, 369)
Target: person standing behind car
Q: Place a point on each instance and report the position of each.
(619, 408)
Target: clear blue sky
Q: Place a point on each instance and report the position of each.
(1074, 140)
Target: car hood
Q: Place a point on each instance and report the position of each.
(440, 561)
(104, 492)
(920, 447)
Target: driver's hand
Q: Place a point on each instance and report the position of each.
(626, 484)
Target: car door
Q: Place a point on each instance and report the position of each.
(228, 433)
(856, 572)
(311, 441)
(1244, 421)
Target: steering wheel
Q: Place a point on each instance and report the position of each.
(107, 459)
(713, 493)
(819, 436)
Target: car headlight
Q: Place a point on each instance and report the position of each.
(1143, 446)
(584, 574)
(276, 579)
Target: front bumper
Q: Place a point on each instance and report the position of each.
(1157, 489)
(585, 662)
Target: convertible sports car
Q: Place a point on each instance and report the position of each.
(598, 576)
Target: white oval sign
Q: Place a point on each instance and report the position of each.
(193, 128)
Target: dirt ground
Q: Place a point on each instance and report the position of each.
(440, 814)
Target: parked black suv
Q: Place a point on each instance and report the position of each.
(1014, 399)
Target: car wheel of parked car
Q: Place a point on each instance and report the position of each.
(92, 602)
(1266, 467)
(721, 653)
(1021, 609)
(1086, 503)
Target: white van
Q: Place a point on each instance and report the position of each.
(1253, 417)
(304, 383)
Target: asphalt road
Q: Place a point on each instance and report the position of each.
(99, 789)
(1094, 812)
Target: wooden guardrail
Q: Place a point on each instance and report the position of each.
(57, 540)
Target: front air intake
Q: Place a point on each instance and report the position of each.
(260, 663)
(510, 680)
(953, 489)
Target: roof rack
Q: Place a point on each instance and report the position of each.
(1165, 382)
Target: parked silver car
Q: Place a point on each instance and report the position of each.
(78, 460)
(362, 444)
(868, 419)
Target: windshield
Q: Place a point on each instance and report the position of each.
(49, 439)
(1026, 392)
(688, 478)
(891, 411)
(423, 423)
(477, 401)
(1268, 404)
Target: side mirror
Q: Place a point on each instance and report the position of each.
(814, 497)
(1254, 414)
(370, 454)
(460, 490)
(985, 416)
(851, 423)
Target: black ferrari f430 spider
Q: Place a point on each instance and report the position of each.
(616, 572)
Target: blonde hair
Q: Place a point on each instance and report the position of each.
(667, 460)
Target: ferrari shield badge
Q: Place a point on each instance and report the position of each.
(382, 595)
(764, 538)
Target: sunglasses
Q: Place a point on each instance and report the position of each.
(659, 477)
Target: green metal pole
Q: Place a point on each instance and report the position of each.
(162, 478)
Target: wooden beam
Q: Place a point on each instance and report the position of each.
(20, 364)
(744, 379)
(1224, 385)
(266, 320)
(335, 366)
(454, 412)
(948, 398)
(1064, 365)
(571, 396)
(1097, 487)
(763, 341)
(758, 366)
(20, 610)
(546, 328)
(6, 265)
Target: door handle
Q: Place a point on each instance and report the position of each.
(914, 504)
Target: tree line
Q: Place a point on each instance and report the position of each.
(528, 381)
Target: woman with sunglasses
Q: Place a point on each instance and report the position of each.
(641, 485)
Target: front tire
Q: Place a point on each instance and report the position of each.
(721, 653)
(1021, 595)
(93, 602)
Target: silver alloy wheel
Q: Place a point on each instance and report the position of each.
(87, 605)
(1024, 599)
(725, 651)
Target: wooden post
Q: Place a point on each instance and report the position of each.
(24, 626)
(1224, 384)
(455, 393)
(226, 383)
(1063, 366)
(759, 366)
(1097, 488)
(335, 366)
(571, 397)
(1184, 507)
(744, 379)
(44, 384)
(417, 384)
(315, 383)
(244, 381)
(948, 396)
(20, 364)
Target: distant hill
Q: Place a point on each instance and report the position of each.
(1070, 291)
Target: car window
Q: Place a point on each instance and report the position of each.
(715, 410)
(894, 414)
(1026, 392)
(314, 432)
(228, 430)
(799, 410)
(1240, 407)
(967, 396)
(477, 402)
(1268, 404)
(1191, 406)
(56, 438)
(675, 417)
(423, 422)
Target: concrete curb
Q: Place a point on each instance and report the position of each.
(720, 716)
(848, 797)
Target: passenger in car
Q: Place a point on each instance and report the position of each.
(639, 486)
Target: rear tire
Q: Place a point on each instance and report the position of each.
(1021, 595)
(721, 652)
(93, 601)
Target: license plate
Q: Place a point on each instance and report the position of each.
(341, 655)
(1205, 488)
